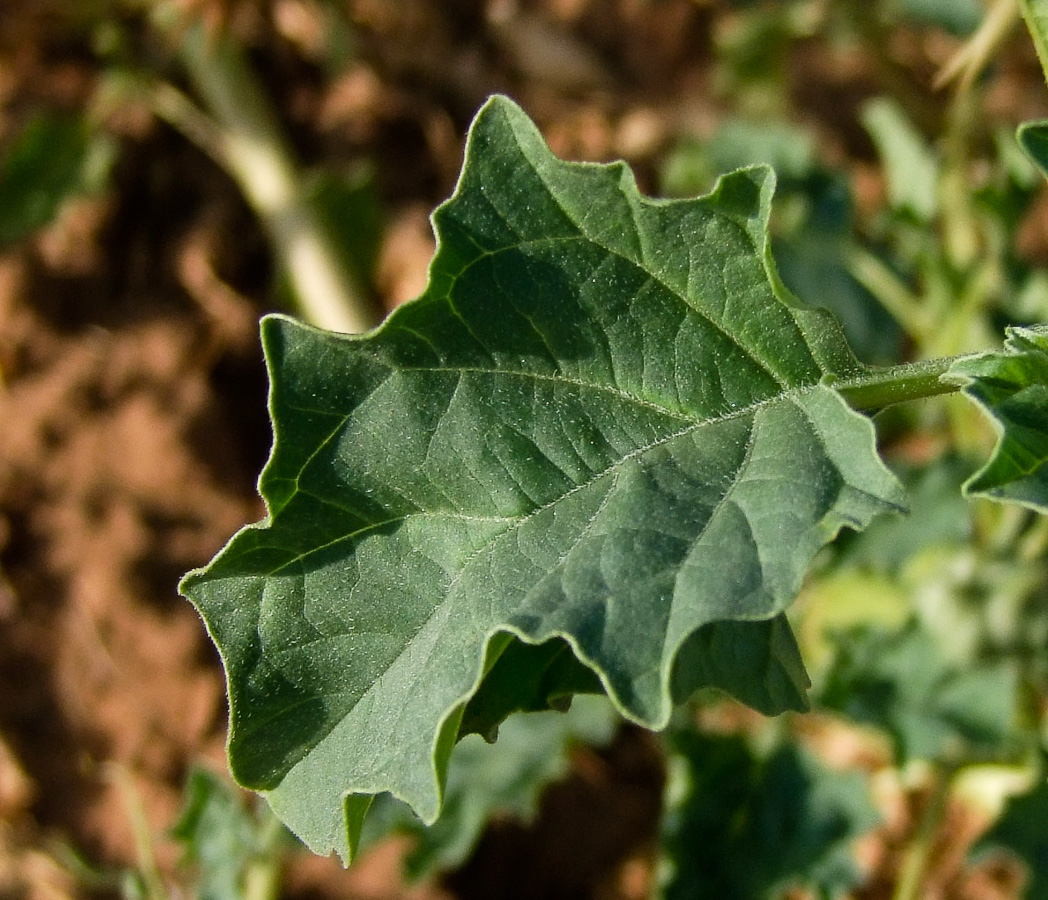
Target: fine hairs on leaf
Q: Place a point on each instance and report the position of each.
(601, 449)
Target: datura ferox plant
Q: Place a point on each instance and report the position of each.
(597, 455)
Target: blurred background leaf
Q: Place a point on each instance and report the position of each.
(742, 826)
(53, 159)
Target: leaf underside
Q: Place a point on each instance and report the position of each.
(1011, 386)
(603, 444)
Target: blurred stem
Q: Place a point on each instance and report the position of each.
(263, 876)
(961, 236)
(244, 133)
(904, 306)
(914, 868)
(1034, 543)
(1012, 522)
(979, 50)
(145, 858)
(181, 113)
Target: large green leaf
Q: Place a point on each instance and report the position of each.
(604, 423)
(1011, 385)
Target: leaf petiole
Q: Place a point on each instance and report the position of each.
(878, 388)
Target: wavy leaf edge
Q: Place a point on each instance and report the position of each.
(354, 803)
(981, 374)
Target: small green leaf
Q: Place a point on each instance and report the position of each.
(604, 423)
(52, 159)
(1011, 386)
(961, 17)
(1035, 12)
(933, 708)
(1033, 138)
(691, 166)
(909, 163)
(221, 838)
(738, 827)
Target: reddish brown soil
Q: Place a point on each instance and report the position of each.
(132, 401)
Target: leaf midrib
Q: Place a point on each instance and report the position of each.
(519, 521)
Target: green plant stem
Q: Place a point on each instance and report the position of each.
(918, 854)
(264, 874)
(145, 857)
(254, 151)
(979, 50)
(891, 292)
(961, 237)
(895, 384)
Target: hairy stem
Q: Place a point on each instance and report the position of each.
(872, 392)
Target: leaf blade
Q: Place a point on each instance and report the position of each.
(1035, 13)
(605, 422)
(1011, 387)
(1033, 138)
